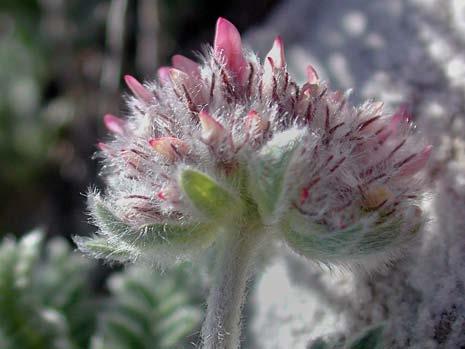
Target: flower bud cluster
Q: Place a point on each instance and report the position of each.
(234, 140)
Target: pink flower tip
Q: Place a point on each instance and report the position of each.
(138, 89)
(417, 163)
(186, 65)
(114, 124)
(277, 53)
(228, 45)
(312, 76)
(402, 115)
(212, 130)
(169, 147)
(102, 146)
(164, 74)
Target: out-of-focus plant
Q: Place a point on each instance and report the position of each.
(28, 126)
(148, 311)
(46, 301)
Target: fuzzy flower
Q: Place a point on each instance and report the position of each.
(232, 148)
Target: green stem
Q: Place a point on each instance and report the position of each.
(236, 251)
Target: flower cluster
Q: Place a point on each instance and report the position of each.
(234, 141)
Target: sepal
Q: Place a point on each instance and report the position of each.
(119, 241)
(269, 172)
(208, 196)
(100, 248)
(369, 236)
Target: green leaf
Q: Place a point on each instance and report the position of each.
(100, 247)
(267, 173)
(208, 196)
(161, 243)
(372, 338)
(145, 235)
(316, 241)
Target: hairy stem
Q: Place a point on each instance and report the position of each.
(222, 326)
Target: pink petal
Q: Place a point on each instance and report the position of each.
(164, 74)
(251, 115)
(254, 122)
(164, 146)
(161, 195)
(304, 194)
(274, 60)
(268, 76)
(186, 65)
(377, 107)
(212, 130)
(417, 163)
(180, 78)
(114, 124)
(312, 76)
(138, 89)
(102, 146)
(183, 83)
(277, 53)
(228, 45)
(401, 116)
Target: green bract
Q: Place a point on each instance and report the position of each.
(120, 241)
(267, 174)
(207, 195)
(317, 242)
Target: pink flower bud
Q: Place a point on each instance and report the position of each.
(170, 148)
(312, 76)
(179, 78)
(212, 131)
(401, 117)
(277, 54)
(228, 46)
(114, 124)
(255, 124)
(186, 87)
(138, 89)
(375, 196)
(163, 74)
(416, 163)
(103, 147)
(274, 60)
(186, 65)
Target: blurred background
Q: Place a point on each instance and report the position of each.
(61, 68)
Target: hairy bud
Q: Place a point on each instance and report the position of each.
(233, 140)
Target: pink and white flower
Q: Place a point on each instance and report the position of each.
(233, 151)
(336, 182)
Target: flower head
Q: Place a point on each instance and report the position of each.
(236, 141)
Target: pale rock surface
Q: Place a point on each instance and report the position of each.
(398, 51)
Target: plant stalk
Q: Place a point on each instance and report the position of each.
(236, 251)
